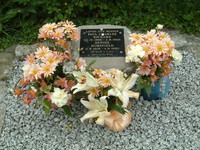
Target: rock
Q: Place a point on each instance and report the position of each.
(2, 114)
(6, 60)
(22, 50)
(3, 88)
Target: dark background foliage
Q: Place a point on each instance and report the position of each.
(21, 19)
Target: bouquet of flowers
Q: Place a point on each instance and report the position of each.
(108, 96)
(45, 78)
(152, 54)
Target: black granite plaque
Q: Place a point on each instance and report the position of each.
(102, 43)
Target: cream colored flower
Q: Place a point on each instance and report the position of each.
(121, 87)
(97, 108)
(60, 97)
(26, 69)
(159, 26)
(177, 57)
(86, 81)
(134, 53)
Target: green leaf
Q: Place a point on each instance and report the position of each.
(113, 106)
(91, 63)
(67, 110)
(46, 104)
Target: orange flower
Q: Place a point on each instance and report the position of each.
(18, 91)
(93, 91)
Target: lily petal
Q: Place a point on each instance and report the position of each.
(130, 82)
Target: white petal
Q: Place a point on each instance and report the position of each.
(130, 82)
(90, 114)
(133, 94)
(125, 99)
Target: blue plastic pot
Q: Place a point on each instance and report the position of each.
(158, 91)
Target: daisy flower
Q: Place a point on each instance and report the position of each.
(159, 47)
(74, 35)
(58, 34)
(93, 91)
(35, 72)
(98, 72)
(169, 43)
(69, 27)
(163, 35)
(30, 59)
(63, 43)
(136, 37)
(42, 52)
(47, 69)
(104, 80)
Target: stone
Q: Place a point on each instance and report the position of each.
(2, 114)
(22, 51)
(3, 88)
(6, 60)
(106, 44)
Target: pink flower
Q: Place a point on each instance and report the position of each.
(58, 34)
(63, 43)
(159, 47)
(169, 43)
(34, 72)
(143, 70)
(98, 72)
(75, 35)
(42, 52)
(137, 38)
(105, 80)
(30, 59)
(62, 82)
(93, 91)
(81, 64)
(47, 69)
(69, 27)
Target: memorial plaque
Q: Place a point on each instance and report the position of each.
(105, 43)
(102, 43)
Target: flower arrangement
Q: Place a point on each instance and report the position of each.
(108, 96)
(43, 77)
(52, 77)
(152, 53)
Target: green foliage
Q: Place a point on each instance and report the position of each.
(46, 104)
(144, 82)
(117, 107)
(67, 110)
(20, 19)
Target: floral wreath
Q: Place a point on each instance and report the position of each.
(52, 77)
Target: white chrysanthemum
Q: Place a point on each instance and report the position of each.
(60, 97)
(134, 53)
(177, 57)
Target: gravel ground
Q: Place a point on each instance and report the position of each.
(170, 123)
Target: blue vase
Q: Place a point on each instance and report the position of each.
(158, 91)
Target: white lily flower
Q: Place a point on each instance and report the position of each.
(86, 81)
(121, 87)
(97, 108)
